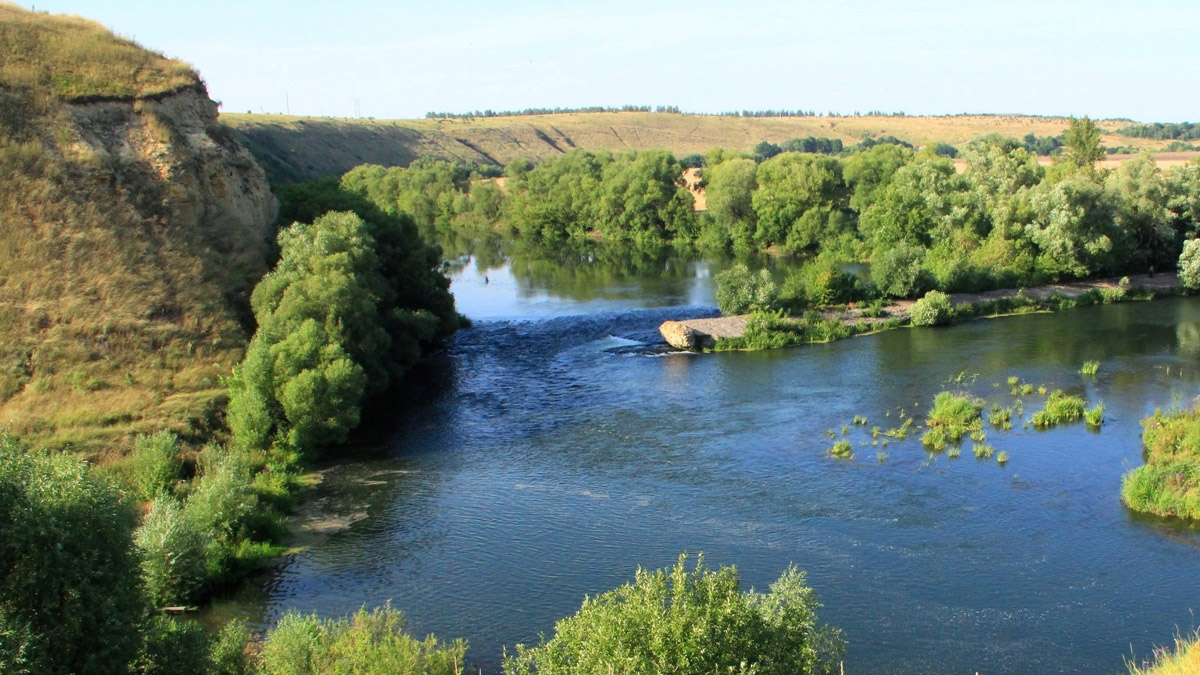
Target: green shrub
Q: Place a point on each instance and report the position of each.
(1170, 489)
(174, 551)
(1189, 264)
(740, 291)
(368, 643)
(689, 621)
(172, 647)
(224, 505)
(70, 599)
(227, 654)
(932, 310)
(155, 464)
(897, 272)
(773, 331)
(820, 283)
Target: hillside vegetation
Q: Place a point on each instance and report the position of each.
(305, 148)
(131, 231)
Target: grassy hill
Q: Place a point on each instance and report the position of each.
(125, 244)
(304, 148)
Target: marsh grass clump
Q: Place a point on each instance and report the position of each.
(1013, 380)
(955, 415)
(860, 420)
(1002, 457)
(954, 452)
(982, 450)
(1060, 408)
(935, 438)
(978, 436)
(1000, 418)
(1090, 368)
(1169, 483)
(901, 432)
(842, 449)
(1094, 416)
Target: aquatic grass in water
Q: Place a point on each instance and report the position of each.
(954, 415)
(1002, 457)
(953, 453)
(1000, 418)
(1060, 409)
(982, 450)
(1094, 416)
(1090, 368)
(842, 450)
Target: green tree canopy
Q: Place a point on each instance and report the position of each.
(797, 197)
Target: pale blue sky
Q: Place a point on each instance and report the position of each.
(401, 59)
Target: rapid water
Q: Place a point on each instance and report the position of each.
(564, 446)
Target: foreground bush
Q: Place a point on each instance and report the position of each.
(368, 643)
(1189, 264)
(689, 621)
(70, 600)
(932, 310)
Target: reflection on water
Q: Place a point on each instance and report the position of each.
(565, 451)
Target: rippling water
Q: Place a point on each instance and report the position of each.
(567, 447)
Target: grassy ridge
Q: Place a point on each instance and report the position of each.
(306, 148)
(73, 58)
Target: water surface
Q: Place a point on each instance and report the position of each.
(567, 446)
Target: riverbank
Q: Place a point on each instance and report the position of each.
(705, 334)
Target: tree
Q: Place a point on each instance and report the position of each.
(1082, 142)
(797, 197)
(729, 194)
(925, 201)
(1074, 229)
(1189, 264)
(689, 622)
(642, 198)
(870, 170)
(1141, 195)
(70, 592)
(896, 270)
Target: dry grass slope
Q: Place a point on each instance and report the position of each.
(304, 148)
(114, 318)
(73, 58)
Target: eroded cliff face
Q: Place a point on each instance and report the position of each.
(188, 171)
(131, 234)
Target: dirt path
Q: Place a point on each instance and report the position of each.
(703, 333)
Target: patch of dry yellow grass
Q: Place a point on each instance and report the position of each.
(1184, 659)
(75, 58)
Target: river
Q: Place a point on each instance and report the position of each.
(563, 446)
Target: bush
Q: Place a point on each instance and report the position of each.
(689, 621)
(155, 464)
(368, 643)
(740, 291)
(174, 554)
(70, 600)
(897, 271)
(932, 310)
(820, 283)
(172, 647)
(1189, 264)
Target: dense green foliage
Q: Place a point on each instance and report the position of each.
(367, 643)
(1189, 264)
(349, 308)
(70, 599)
(689, 621)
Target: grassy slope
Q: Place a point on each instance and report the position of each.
(303, 148)
(112, 321)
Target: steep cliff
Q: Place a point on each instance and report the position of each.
(132, 228)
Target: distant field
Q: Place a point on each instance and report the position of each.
(1165, 160)
(304, 148)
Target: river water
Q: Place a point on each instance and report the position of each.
(563, 446)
